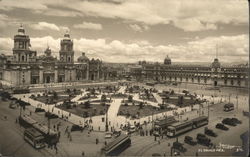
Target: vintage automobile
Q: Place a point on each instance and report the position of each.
(179, 146)
(189, 140)
(221, 126)
(235, 120)
(76, 128)
(204, 140)
(229, 121)
(108, 135)
(210, 132)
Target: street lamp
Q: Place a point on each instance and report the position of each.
(106, 125)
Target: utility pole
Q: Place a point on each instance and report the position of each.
(106, 125)
(48, 120)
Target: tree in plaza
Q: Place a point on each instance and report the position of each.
(141, 105)
(55, 95)
(85, 114)
(147, 93)
(68, 91)
(87, 104)
(103, 98)
(180, 100)
(130, 89)
(130, 98)
(172, 92)
(74, 90)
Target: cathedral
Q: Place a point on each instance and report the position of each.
(25, 67)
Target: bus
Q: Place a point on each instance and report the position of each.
(33, 137)
(200, 121)
(179, 128)
(115, 147)
(228, 107)
(161, 125)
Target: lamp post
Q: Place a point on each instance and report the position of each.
(106, 125)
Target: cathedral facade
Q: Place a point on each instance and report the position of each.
(25, 67)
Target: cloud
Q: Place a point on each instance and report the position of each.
(88, 25)
(194, 25)
(138, 28)
(230, 48)
(191, 15)
(44, 26)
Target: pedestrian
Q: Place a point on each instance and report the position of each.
(83, 153)
(66, 130)
(159, 142)
(70, 137)
(196, 154)
(16, 120)
(30, 113)
(164, 154)
(96, 141)
(55, 147)
(105, 143)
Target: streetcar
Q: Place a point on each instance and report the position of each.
(51, 137)
(161, 125)
(179, 128)
(228, 107)
(200, 121)
(115, 147)
(33, 137)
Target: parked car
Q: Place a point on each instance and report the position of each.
(210, 132)
(235, 120)
(221, 126)
(189, 140)
(156, 154)
(229, 121)
(51, 115)
(108, 135)
(76, 128)
(12, 106)
(39, 110)
(179, 146)
(132, 129)
(203, 139)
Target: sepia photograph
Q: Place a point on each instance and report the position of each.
(128, 78)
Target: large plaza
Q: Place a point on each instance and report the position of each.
(109, 108)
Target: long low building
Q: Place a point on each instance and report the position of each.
(214, 74)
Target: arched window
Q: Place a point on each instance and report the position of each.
(232, 82)
(23, 58)
(68, 59)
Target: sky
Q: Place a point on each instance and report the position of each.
(126, 31)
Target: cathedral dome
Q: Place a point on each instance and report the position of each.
(216, 63)
(83, 58)
(167, 60)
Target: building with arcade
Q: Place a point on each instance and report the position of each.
(213, 74)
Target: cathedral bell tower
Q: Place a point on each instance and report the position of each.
(66, 52)
(21, 50)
